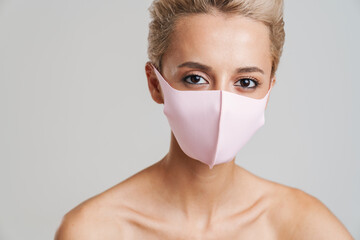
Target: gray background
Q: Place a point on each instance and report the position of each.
(76, 116)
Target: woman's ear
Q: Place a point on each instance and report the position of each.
(273, 81)
(272, 84)
(153, 84)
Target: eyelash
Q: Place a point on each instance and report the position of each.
(256, 82)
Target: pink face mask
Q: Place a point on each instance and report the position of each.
(211, 125)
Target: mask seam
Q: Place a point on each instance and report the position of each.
(219, 125)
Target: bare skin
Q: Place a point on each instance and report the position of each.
(180, 197)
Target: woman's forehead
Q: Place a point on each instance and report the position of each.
(221, 39)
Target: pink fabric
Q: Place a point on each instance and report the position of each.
(211, 125)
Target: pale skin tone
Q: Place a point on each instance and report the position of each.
(181, 198)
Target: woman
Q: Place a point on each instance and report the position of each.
(212, 64)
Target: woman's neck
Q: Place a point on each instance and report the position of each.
(194, 188)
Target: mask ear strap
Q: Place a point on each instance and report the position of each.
(271, 86)
(272, 82)
(154, 67)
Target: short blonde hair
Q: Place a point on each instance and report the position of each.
(165, 13)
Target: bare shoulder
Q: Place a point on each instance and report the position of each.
(105, 215)
(76, 224)
(303, 216)
(90, 220)
(314, 219)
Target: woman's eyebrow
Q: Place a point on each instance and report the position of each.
(195, 65)
(208, 68)
(249, 69)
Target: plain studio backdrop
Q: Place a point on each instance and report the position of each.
(76, 116)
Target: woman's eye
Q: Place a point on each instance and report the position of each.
(194, 79)
(248, 83)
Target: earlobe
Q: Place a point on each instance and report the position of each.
(153, 84)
